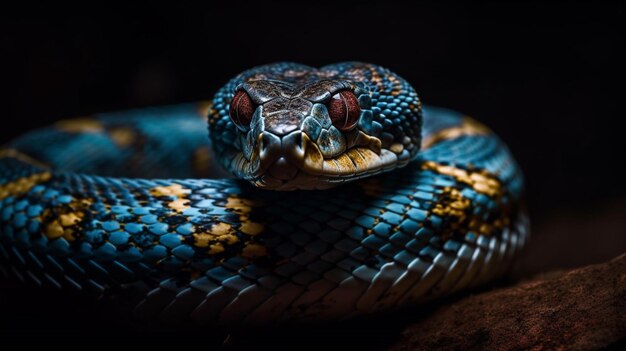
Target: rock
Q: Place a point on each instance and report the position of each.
(582, 309)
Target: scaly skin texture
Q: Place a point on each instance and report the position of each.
(291, 124)
(80, 208)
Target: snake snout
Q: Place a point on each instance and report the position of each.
(279, 154)
(286, 162)
(282, 169)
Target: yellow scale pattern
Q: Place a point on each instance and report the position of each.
(454, 205)
(221, 234)
(61, 221)
(22, 185)
(469, 126)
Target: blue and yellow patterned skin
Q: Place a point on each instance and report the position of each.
(134, 205)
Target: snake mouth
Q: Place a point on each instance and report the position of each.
(296, 162)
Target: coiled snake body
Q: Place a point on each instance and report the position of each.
(132, 205)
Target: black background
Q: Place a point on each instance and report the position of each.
(547, 78)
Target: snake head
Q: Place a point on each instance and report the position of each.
(288, 126)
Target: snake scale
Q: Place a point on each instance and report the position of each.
(392, 203)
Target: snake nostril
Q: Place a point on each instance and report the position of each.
(297, 140)
(292, 144)
(269, 148)
(268, 140)
(263, 143)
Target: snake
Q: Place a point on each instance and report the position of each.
(320, 194)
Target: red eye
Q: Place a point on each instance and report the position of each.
(344, 110)
(241, 109)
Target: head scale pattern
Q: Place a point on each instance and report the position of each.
(291, 141)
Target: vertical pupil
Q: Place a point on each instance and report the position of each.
(344, 110)
(241, 109)
(338, 110)
(238, 109)
(342, 107)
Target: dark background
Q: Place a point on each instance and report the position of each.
(547, 78)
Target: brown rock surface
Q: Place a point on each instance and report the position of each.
(583, 309)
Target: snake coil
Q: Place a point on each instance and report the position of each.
(137, 206)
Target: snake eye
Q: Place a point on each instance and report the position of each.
(241, 109)
(344, 110)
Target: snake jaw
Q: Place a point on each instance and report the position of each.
(294, 160)
(311, 153)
